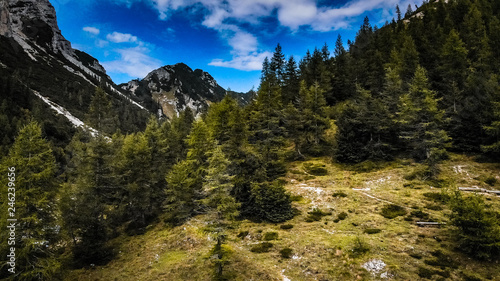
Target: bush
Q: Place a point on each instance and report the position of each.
(268, 236)
(478, 226)
(286, 253)
(316, 169)
(372, 231)
(286, 226)
(360, 248)
(437, 196)
(392, 211)
(339, 194)
(342, 216)
(272, 202)
(316, 215)
(263, 247)
(490, 180)
(243, 234)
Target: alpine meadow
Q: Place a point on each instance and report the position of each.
(375, 158)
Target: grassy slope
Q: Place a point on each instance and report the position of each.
(322, 250)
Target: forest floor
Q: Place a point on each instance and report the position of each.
(339, 233)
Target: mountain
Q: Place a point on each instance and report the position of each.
(42, 73)
(177, 87)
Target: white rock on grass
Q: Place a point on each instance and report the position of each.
(374, 266)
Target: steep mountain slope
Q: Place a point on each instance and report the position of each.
(35, 57)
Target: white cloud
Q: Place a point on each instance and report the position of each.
(91, 30)
(118, 37)
(134, 62)
(247, 62)
(227, 17)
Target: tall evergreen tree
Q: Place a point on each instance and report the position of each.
(422, 122)
(32, 165)
(221, 206)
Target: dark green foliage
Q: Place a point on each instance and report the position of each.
(339, 194)
(425, 272)
(478, 226)
(268, 236)
(286, 226)
(243, 234)
(315, 169)
(491, 180)
(263, 247)
(360, 248)
(31, 168)
(392, 211)
(316, 215)
(437, 196)
(271, 202)
(342, 216)
(101, 115)
(441, 260)
(372, 230)
(286, 253)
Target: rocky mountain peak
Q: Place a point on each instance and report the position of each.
(176, 87)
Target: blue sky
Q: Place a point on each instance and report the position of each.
(227, 38)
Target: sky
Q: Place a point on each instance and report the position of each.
(227, 38)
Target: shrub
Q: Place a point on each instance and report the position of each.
(268, 236)
(342, 216)
(316, 215)
(286, 226)
(372, 231)
(360, 247)
(392, 211)
(437, 196)
(316, 169)
(478, 226)
(243, 234)
(434, 207)
(490, 180)
(339, 194)
(263, 247)
(272, 202)
(286, 253)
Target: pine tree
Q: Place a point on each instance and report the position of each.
(185, 179)
(91, 199)
(277, 66)
(422, 122)
(291, 82)
(219, 204)
(32, 165)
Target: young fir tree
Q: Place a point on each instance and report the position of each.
(493, 129)
(220, 206)
(478, 227)
(91, 199)
(422, 122)
(31, 166)
(140, 195)
(185, 179)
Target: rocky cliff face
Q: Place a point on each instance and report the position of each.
(33, 25)
(177, 87)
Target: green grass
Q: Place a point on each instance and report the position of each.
(331, 251)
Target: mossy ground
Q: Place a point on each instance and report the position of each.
(324, 249)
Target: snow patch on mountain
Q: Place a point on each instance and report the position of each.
(61, 110)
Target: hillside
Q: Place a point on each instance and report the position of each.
(397, 248)
(348, 165)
